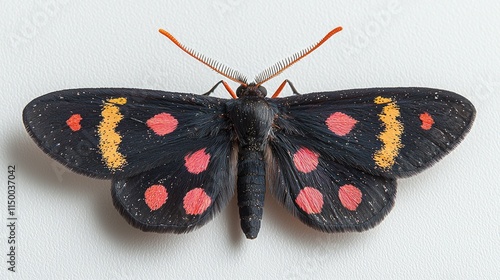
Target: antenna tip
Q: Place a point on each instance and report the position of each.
(331, 33)
(336, 29)
(162, 31)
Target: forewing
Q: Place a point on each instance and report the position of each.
(390, 132)
(182, 194)
(324, 194)
(118, 133)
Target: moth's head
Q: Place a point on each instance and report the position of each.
(251, 89)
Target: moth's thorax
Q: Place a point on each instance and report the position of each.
(252, 118)
(251, 90)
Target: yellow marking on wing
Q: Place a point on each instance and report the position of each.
(109, 139)
(118, 100)
(382, 100)
(391, 136)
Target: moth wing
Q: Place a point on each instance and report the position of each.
(333, 157)
(390, 132)
(118, 132)
(325, 194)
(182, 194)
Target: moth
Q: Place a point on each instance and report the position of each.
(175, 159)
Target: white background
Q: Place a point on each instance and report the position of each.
(446, 221)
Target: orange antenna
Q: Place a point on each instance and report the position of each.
(280, 66)
(212, 63)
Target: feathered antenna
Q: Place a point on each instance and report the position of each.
(218, 67)
(280, 66)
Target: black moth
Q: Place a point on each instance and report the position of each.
(330, 158)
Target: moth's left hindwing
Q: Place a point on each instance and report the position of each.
(182, 194)
(170, 155)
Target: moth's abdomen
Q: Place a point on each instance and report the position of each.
(252, 118)
(251, 190)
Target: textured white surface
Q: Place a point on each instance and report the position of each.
(446, 221)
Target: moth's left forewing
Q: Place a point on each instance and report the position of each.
(120, 132)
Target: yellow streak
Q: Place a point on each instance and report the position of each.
(109, 139)
(391, 136)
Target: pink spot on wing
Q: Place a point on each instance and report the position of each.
(426, 120)
(310, 200)
(197, 162)
(155, 196)
(350, 197)
(305, 160)
(74, 122)
(196, 201)
(162, 124)
(340, 123)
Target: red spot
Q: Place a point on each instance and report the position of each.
(350, 197)
(155, 196)
(340, 123)
(197, 162)
(74, 122)
(196, 201)
(162, 124)
(305, 160)
(427, 121)
(310, 200)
